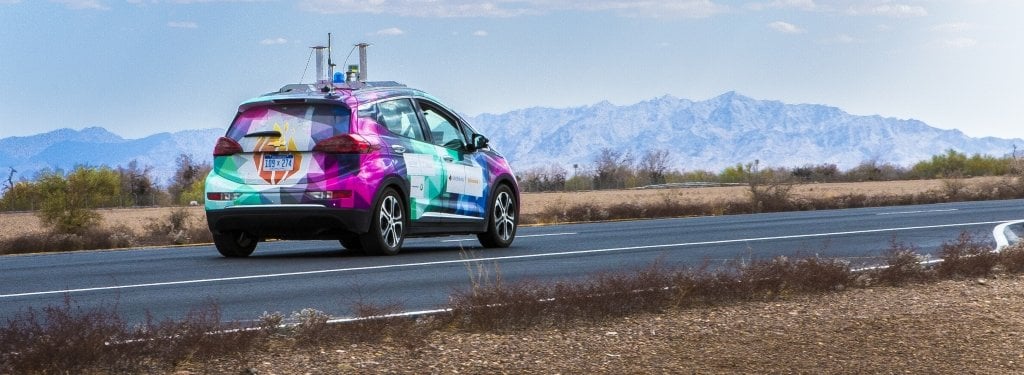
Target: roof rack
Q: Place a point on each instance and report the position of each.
(301, 88)
(383, 84)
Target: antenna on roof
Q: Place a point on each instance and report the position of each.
(362, 61)
(330, 64)
(320, 80)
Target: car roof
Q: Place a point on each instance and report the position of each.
(351, 95)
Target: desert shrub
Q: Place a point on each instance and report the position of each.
(902, 264)
(176, 228)
(783, 275)
(1012, 258)
(310, 327)
(499, 306)
(966, 257)
(1003, 188)
(69, 202)
(63, 339)
(93, 238)
(271, 323)
(24, 244)
(200, 336)
(550, 178)
(626, 210)
(814, 274)
(763, 278)
(187, 182)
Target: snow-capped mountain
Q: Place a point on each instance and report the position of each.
(719, 132)
(710, 134)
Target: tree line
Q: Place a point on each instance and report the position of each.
(611, 169)
(66, 200)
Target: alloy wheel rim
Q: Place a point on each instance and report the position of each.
(391, 224)
(504, 216)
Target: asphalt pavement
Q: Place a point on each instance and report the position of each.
(288, 276)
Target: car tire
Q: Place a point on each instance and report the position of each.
(503, 219)
(235, 244)
(387, 225)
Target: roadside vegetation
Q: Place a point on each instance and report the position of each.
(70, 338)
(611, 169)
(67, 202)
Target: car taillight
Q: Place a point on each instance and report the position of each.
(222, 196)
(346, 144)
(226, 146)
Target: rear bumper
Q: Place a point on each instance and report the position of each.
(299, 221)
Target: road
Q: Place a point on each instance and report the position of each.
(288, 276)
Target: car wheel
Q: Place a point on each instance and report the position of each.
(387, 230)
(503, 222)
(351, 243)
(235, 244)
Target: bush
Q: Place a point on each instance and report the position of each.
(68, 203)
(201, 335)
(310, 326)
(966, 257)
(1012, 258)
(902, 264)
(63, 339)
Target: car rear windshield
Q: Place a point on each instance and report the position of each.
(317, 121)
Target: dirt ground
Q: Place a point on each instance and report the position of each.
(16, 224)
(950, 327)
(534, 203)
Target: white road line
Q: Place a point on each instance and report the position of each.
(1003, 238)
(510, 257)
(519, 236)
(916, 212)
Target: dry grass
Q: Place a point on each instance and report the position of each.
(71, 339)
(136, 219)
(535, 203)
(143, 226)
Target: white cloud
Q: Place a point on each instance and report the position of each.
(785, 27)
(183, 25)
(962, 42)
(391, 31)
(273, 41)
(513, 8)
(480, 33)
(82, 4)
(952, 27)
(842, 39)
(888, 9)
(783, 4)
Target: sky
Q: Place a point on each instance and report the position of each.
(140, 67)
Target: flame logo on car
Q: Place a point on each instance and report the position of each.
(284, 143)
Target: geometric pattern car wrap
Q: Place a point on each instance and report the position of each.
(439, 180)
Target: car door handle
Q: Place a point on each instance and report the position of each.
(448, 159)
(398, 148)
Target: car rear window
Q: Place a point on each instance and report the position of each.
(319, 121)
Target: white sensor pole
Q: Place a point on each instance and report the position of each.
(320, 80)
(362, 61)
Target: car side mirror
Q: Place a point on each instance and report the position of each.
(479, 141)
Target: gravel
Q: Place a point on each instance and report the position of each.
(963, 326)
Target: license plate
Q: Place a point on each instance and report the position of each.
(278, 162)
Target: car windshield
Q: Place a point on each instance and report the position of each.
(318, 121)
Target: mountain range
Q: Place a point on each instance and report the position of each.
(721, 131)
(710, 134)
(95, 146)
